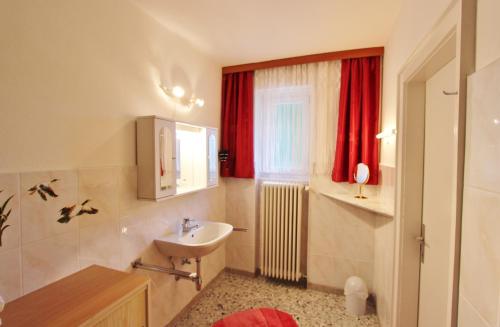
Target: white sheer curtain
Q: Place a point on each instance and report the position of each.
(295, 120)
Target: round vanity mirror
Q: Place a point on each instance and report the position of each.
(361, 177)
(362, 173)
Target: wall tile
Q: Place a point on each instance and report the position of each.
(383, 268)
(99, 233)
(10, 274)
(468, 316)
(9, 184)
(134, 239)
(127, 192)
(245, 238)
(483, 129)
(241, 212)
(320, 270)
(240, 198)
(100, 244)
(340, 230)
(240, 256)
(100, 185)
(39, 217)
(123, 230)
(48, 260)
(387, 183)
(479, 304)
(480, 256)
(333, 272)
(213, 263)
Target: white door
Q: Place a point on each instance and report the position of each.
(439, 197)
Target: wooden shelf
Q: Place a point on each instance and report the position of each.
(370, 204)
(85, 298)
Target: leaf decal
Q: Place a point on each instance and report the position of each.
(1, 233)
(43, 190)
(91, 211)
(64, 219)
(4, 217)
(42, 195)
(2, 209)
(66, 212)
(48, 190)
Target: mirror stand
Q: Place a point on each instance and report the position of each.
(361, 176)
(360, 192)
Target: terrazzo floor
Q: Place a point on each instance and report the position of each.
(233, 292)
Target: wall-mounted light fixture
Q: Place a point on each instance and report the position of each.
(386, 133)
(178, 92)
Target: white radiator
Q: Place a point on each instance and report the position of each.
(280, 229)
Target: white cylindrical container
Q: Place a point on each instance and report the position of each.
(356, 293)
(2, 305)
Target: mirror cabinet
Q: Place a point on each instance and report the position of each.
(174, 157)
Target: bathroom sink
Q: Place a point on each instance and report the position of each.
(196, 243)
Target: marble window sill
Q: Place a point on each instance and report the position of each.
(372, 204)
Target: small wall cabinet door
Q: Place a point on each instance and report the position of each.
(212, 158)
(156, 158)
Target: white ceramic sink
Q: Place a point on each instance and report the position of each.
(196, 243)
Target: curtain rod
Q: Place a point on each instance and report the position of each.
(327, 56)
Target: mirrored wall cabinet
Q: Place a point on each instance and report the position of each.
(174, 158)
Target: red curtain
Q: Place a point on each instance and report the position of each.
(358, 119)
(237, 125)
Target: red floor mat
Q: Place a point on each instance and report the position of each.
(262, 317)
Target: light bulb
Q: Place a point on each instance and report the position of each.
(178, 91)
(199, 102)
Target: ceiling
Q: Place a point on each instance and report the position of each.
(243, 31)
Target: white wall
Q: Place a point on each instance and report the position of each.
(487, 39)
(415, 21)
(479, 300)
(74, 76)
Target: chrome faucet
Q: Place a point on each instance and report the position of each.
(186, 225)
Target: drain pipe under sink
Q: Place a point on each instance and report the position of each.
(192, 276)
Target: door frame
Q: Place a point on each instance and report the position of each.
(452, 37)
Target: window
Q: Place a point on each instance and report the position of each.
(282, 133)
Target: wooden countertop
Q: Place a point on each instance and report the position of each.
(73, 300)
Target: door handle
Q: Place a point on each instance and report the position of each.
(421, 242)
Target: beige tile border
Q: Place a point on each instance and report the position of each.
(241, 272)
(324, 288)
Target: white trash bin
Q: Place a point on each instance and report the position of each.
(356, 293)
(2, 305)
